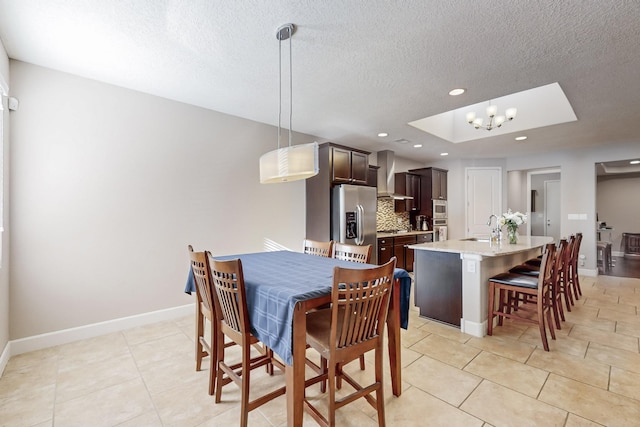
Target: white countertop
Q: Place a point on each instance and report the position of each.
(403, 233)
(525, 243)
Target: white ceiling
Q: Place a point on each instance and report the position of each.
(359, 67)
(538, 107)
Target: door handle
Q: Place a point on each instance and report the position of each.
(360, 220)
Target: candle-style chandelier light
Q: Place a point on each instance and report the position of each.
(495, 120)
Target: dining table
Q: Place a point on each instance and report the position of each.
(281, 287)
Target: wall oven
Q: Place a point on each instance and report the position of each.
(439, 209)
(438, 222)
(440, 229)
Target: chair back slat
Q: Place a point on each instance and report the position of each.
(313, 247)
(545, 280)
(354, 253)
(228, 282)
(563, 252)
(202, 277)
(361, 298)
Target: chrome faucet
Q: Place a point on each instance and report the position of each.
(495, 232)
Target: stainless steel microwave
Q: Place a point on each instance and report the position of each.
(439, 208)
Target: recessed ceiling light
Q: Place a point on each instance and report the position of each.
(444, 154)
(634, 162)
(417, 145)
(456, 92)
(521, 138)
(383, 134)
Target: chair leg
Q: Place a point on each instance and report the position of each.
(334, 371)
(566, 286)
(379, 391)
(362, 362)
(219, 358)
(269, 366)
(492, 293)
(543, 331)
(323, 368)
(213, 359)
(559, 307)
(554, 306)
(246, 375)
(550, 323)
(199, 333)
(501, 305)
(576, 280)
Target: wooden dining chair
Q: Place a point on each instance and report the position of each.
(352, 326)
(205, 311)
(314, 247)
(558, 280)
(507, 284)
(228, 281)
(572, 275)
(355, 253)
(564, 271)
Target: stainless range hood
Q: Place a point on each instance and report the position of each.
(386, 177)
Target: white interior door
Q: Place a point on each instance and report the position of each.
(552, 209)
(484, 198)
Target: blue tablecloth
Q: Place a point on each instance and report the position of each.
(276, 281)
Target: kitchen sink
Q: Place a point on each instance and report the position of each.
(477, 239)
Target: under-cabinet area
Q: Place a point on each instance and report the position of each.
(397, 244)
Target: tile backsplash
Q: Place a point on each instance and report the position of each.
(388, 219)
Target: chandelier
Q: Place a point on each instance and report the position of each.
(292, 162)
(495, 121)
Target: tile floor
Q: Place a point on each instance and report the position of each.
(146, 376)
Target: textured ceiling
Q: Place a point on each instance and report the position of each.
(359, 67)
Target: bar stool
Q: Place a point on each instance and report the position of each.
(506, 284)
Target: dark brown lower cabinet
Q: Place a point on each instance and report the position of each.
(385, 249)
(403, 254)
(398, 246)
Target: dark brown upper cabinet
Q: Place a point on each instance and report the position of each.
(409, 185)
(433, 185)
(349, 166)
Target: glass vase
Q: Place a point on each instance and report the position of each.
(512, 235)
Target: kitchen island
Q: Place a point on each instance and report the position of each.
(451, 277)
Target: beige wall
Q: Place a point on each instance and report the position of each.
(618, 204)
(109, 186)
(578, 186)
(4, 264)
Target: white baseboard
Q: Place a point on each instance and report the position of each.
(4, 357)
(51, 339)
(587, 272)
(473, 328)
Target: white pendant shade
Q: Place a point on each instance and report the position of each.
(294, 162)
(289, 164)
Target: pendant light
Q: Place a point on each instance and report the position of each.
(294, 162)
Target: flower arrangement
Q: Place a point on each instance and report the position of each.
(512, 220)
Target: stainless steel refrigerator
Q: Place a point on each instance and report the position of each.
(353, 216)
